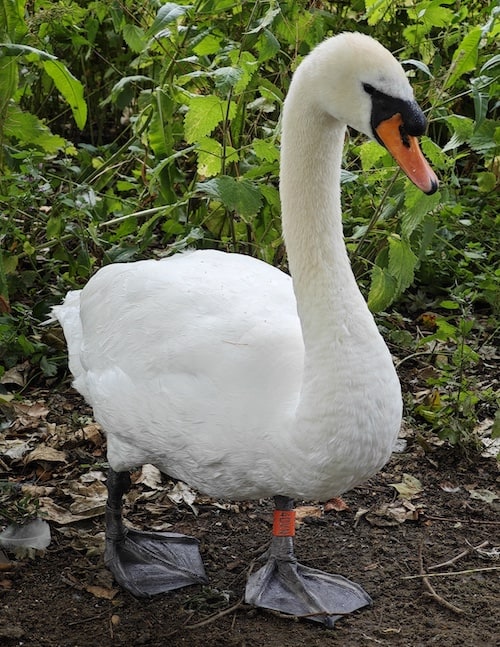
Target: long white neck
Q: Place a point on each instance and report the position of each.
(323, 281)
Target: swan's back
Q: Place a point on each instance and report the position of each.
(187, 362)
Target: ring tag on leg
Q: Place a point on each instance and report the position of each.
(284, 523)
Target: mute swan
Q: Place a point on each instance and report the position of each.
(200, 364)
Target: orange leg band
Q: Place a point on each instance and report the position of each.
(284, 523)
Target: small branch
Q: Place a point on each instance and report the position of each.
(215, 616)
(457, 557)
(467, 572)
(430, 589)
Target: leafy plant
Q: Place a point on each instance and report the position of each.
(131, 130)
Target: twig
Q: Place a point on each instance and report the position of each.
(430, 589)
(467, 572)
(457, 557)
(216, 616)
(451, 520)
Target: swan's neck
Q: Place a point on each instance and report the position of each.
(324, 284)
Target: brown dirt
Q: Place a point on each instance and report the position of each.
(46, 601)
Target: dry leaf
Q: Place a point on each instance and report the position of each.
(182, 493)
(392, 514)
(306, 511)
(101, 592)
(337, 504)
(483, 495)
(409, 487)
(45, 453)
(150, 477)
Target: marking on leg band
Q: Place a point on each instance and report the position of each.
(284, 523)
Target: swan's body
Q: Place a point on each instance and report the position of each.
(218, 370)
(209, 391)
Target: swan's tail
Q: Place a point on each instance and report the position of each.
(68, 315)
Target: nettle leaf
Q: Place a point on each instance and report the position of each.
(8, 81)
(226, 78)
(210, 44)
(462, 127)
(210, 155)
(265, 150)
(465, 56)
(238, 195)
(70, 88)
(371, 153)
(204, 114)
(417, 205)
(377, 10)
(268, 46)
(402, 262)
(168, 13)
(135, 38)
(383, 289)
(28, 129)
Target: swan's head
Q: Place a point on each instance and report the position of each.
(357, 81)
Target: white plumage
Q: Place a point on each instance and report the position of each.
(218, 370)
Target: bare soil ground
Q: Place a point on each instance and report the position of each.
(65, 597)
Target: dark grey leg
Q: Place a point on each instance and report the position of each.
(147, 563)
(287, 586)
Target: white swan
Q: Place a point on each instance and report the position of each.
(200, 365)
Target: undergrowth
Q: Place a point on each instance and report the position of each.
(132, 130)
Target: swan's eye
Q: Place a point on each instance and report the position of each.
(368, 88)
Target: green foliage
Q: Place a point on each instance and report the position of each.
(132, 130)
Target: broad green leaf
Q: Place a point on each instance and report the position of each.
(238, 195)
(28, 129)
(417, 206)
(265, 150)
(462, 127)
(247, 64)
(371, 153)
(268, 46)
(12, 22)
(486, 139)
(267, 19)
(226, 78)
(402, 262)
(8, 81)
(135, 38)
(168, 13)
(465, 56)
(16, 49)
(377, 10)
(204, 114)
(70, 88)
(382, 289)
(210, 157)
(210, 44)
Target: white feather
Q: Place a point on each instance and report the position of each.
(200, 364)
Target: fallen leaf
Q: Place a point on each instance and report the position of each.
(182, 493)
(392, 514)
(101, 592)
(45, 453)
(304, 511)
(409, 487)
(483, 495)
(150, 477)
(337, 504)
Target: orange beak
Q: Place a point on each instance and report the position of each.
(406, 151)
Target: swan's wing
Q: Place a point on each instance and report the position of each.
(194, 356)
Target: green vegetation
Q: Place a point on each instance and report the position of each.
(136, 129)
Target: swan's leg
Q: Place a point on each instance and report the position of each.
(147, 563)
(287, 586)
